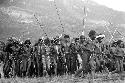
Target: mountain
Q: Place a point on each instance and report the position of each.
(17, 18)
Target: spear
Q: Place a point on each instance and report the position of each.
(84, 19)
(109, 29)
(85, 15)
(121, 34)
(57, 11)
(113, 34)
(41, 26)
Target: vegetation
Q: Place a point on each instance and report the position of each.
(100, 78)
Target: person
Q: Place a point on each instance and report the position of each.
(119, 54)
(92, 34)
(84, 53)
(1, 70)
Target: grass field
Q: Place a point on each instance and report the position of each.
(65, 79)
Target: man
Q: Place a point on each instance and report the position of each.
(38, 52)
(2, 54)
(77, 46)
(66, 51)
(9, 50)
(84, 53)
(1, 70)
(92, 34)
(119, 54)
(73, 57)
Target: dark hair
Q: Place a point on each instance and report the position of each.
(119, 42)
(47, 41)
(27, 42)
(66, 36)
(92, 34)
(82, 37)
(116, 43)
(76, 39)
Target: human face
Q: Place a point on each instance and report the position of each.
(82, 39)
(67, 39)
(122, 45)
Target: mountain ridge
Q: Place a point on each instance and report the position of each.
(71, 13)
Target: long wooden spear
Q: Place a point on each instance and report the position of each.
(121, 35)
(57, 12)
(41, 26)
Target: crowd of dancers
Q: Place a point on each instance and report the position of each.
(61, 55)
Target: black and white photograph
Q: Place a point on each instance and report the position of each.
(62, 41)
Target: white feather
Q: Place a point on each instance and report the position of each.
(100, 36)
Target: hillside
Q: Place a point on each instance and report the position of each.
(17, 18)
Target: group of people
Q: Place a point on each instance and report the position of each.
(61, 55)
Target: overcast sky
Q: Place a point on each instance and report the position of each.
(115, 4)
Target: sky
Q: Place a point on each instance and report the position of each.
(114, 4)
